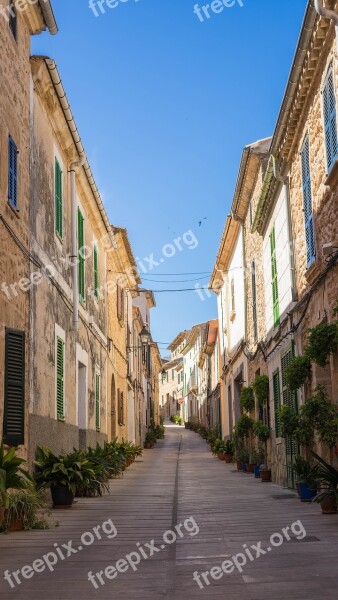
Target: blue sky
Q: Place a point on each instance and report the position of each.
(165, 105)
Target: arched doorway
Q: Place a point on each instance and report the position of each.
(113, 408)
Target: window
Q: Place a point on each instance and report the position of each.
(96, 273)
(277, 403)
(275, 299)
(233, 305)
(330, 120)
(98, 400)
(80, 241)
(120, 302)
(254, 300)
(60, 374)
(307, 201)
(58, 201)
(120, 407)
(14, 405)
(12, 173)
(13, 19)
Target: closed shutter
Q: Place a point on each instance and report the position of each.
(120, 302)
(254, 300)
(13, 20)
(80, 234)
(277, 404)
(12, 173)
(58, 199)
(330, 120)
(120, 407)
(307, 201)
(14, 405)
(96, 274)
(274, 274)
(60, 375)
(289, 398)
(98, 400)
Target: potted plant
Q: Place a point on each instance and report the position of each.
(306, 478)
(328, 485)
(240, 457)
(218, 449)
(262, 432)
(61, 474)
(298, 372)
(12, 477)
(258, 460)
(150, 440)
(229, 451)
(322, 342)
(22, 511)
(261, 389)
(247, 399)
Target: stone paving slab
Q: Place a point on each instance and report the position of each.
(177, 480)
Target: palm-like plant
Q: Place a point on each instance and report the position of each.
(328, 481)
(12, 474)
(69, 470)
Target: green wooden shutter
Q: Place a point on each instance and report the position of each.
(289, 398)
(60, 370)
(14, 400)
(277, 404)
(96, 274)
(274, 272)
(58, 199)
(80, 235)
(98, 400)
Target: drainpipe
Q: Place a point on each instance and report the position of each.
(327, 14)
(74, 256)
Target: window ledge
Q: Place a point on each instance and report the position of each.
(333, 175)
(16, 211)
(312, 272)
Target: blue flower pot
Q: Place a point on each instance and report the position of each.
(306, 493)
(245, 467)
(258, 472)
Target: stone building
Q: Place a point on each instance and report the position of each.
(170, 385)
(16, 28)
(122, 286)
(70, 240)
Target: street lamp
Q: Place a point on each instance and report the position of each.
(145, 336)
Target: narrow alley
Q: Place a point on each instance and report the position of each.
(178, 481)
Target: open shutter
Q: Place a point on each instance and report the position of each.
(98, 400)
(60, 370)
(80, 234)
(307, 201)
(277, 404)
(96, 274)
(274, 276)
(12, 173)
(58, 199)
(330, 120)
(14, 405)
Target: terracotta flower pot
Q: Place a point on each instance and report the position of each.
(148, 445)
(239, 465)
(250, 468)
(329, 506)
(2, 514)
(228, 458)
(266, 475)
(221, 456)
(16, 525)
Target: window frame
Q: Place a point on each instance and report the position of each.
(274, 278)
(329, 115)
(13, 178)
(81, 258)
(58, 198)
(60, 344)
(307, 203)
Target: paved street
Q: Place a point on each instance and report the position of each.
(171, 483)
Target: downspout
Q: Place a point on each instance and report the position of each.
(74, 256)
(327, 14)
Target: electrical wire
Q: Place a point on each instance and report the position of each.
(175, 280)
